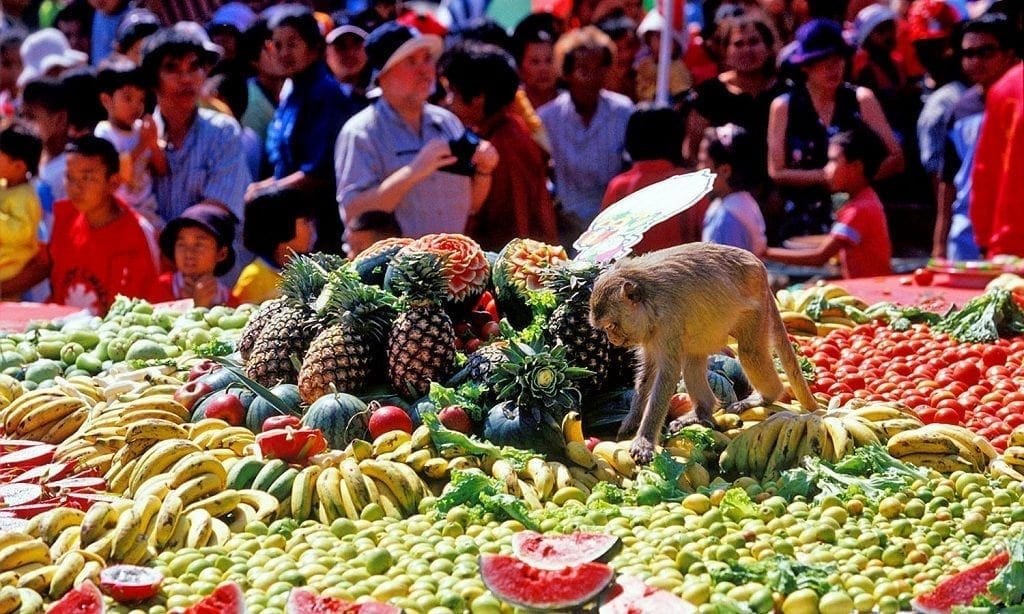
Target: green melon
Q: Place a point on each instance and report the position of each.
(340, 417)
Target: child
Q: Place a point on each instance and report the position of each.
(100, 246)
(199, 243)
(679, 82)
(860, 235)
(734, 217)
(133, 133)
(20, 210)
(10, 67)
(654, 141)
(277, 224)
(367, 229)
(44, 104)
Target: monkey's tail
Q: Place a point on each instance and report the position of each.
(790, 363)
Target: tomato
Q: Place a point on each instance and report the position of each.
(947, 416)
(1014, 407)
(389, 418)
(994, 355)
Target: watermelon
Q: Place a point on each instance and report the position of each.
(303, 601)
(731, 368)
(225, 599)
(559, 551)
(961, 588)
(86, 599)
(340, 417)
(260, 409)
(520, 584)
(130, 583)
(631, 595)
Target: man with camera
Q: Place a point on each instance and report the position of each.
(404, 156)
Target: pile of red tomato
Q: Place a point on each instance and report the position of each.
(977, 385)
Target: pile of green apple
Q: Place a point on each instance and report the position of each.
(133, 331)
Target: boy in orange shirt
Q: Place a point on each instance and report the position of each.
(860, 235)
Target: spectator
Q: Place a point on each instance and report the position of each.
(654, 140)
(879, 66)
(132, 32)
(367, 229)
(300, 139)
(741, 94)
(105, 22)
(134, 134)
(346, 57)
(277, 225)
(264, 86)
(860, 236)
(587, 128)
(798, 132)
(987, 52)
(227, 25)
(679, 78)
(482, 83)
(44, 104)
(46, 53)
(20, 209)
(232, 92)
(199, 243)
(623, 32)
(734, 217)
(376, 14)
(534, 52)
(100, 246)
(10, 69)
(81, 86)
(75, 22)
(481, 30)
(391, 156)
(995, 201)
(205, 159)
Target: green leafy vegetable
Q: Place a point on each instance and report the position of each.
(869, 471)
(445, 439)
(213, 348)
(662, 475)
(779, 573)
(736, 505)
(1008, 586)
(695, 438)
(480, 494)
(467, 396)
(985, 318)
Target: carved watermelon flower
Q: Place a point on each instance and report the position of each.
(467, 268)
(530, 258)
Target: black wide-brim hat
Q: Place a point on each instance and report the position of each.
(212, 218)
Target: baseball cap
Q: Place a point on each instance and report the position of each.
(931, 19)
(212, 218)
(869, 18)
(392, 42)
(234, 14)
(43, 50)
(340, 31)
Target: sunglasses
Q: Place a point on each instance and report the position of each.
(983, 52)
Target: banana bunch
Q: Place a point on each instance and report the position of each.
(780, 442)
(819, 309)
(50, 415)
(14, 600)
(126, 384)
(1013, 456)
(943, 447)
(222, 439)
(10, 389)
(117, 432)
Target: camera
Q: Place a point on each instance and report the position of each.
(463, 148)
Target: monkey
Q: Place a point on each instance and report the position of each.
(678, 306)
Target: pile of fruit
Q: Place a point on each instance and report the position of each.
(431, 428)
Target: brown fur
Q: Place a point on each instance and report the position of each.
(678, 306)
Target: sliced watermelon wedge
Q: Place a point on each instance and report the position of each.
(555, 551)
(304, 601)
(225, 599)
(631, 595)
(520, 584)
(86, 599)
(961, 588)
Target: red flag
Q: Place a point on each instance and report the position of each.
(678, 13)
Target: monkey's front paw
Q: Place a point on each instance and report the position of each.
(642, 450)
(689, 419)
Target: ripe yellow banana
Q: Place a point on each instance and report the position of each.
(265, 504)
(542, 476)
(218, 504)
(194, 465)
(23, 553)
(68, 540)
(68, 568)
(51, 523)
(578, 454)
(154, 429)
(353, 476)
(572, 427)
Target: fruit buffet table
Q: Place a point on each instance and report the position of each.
(894, 288)
(16, 317)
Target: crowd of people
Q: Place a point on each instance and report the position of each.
(193, 159)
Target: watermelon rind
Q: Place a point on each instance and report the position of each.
(225, 599)
(556, 551)
(523, 585)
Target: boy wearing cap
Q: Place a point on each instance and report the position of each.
(198, 242)
(346, 57)
(391, 156)
(100, 247)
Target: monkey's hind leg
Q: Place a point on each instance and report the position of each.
(755, 343)
(695, 378)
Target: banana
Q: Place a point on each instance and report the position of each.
(1017, 436)
(418, 458)
(943, 463)
(25, 404)
(161, 403)
(200, 528)
(877, 412)
(217, 505)
(353, 476)
(68, 568)
(838, 435)
(303, 491)
(893, 426)
(31, 602)
(179, 536)
(542, 476)
(920, 441)
(347, 501)
(194, 465)
(436, 468)
(420, 437)
(578, 454)
(241, 517)
(200, 487)
(389, 441)
(390, 505)
(764, 440)
(162, 528)
(269, 474)
(220, 532)
(154, 429)
(129, 527)
(1002, 467)
(572, 427)
(529, 495)
(62, 429)
(68, 540)
(165, 390)
(51, 523)
(623, 463)
(23, 553)
(785, 448)
(860, 431)
(264, 503)
(205, 425)
(119, 476)
(10, 600)
(1014, 455)
(47, 413)
(798, 323)
(91, 572)
(400, 479)
(359, 449)
(140, 553)
(9, 538)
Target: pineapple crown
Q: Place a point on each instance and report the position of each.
(305, 275)
(418, 278)
(346, 299)
(572, 280)
(536, 376)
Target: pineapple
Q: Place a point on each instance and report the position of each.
(421, 346)
(277, 337)
(347, 351)
(569, 324)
